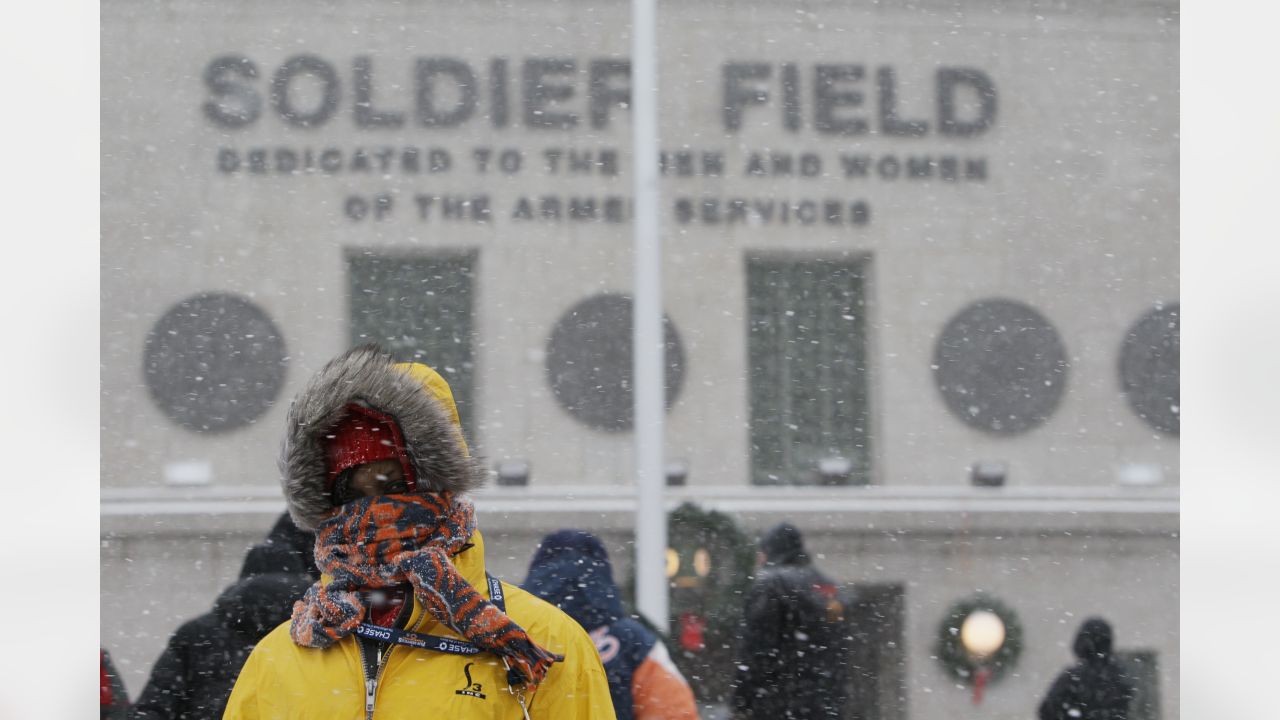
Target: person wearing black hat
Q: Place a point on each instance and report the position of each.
(1096, 687)
(287, 549)
(193, 676)
(793, 654)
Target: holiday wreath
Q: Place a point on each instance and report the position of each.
(951, 651)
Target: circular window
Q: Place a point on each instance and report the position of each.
(589, 362)
(1000, 366)
(1149, 368)
(214, 362)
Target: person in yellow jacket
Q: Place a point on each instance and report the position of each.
(405, 621)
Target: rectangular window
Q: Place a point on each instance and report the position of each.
(807, 360)
(420, 308)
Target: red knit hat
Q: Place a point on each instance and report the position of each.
(364, 436)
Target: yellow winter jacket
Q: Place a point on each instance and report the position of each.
(283, 680)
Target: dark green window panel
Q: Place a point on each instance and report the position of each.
(420, 307)
(807, 359)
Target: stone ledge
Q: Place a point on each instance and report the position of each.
(183, 512)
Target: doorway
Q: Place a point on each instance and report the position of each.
(877, 674)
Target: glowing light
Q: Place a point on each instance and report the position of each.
(702, 562)
(982, 634)
(673, 562)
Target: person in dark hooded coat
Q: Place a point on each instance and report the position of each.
(571, 570)
(113, 698)
(194, 675)
(1096, 687)
(793, 655)
(287, 549)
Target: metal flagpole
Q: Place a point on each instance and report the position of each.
(648, 356)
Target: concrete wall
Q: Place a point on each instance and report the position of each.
(1076, 217)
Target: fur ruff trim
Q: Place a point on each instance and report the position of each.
(366, 374)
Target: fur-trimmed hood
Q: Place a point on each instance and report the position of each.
(414, 394)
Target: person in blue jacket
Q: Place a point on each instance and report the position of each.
(571, 570)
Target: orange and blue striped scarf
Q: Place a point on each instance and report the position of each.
(388, 540)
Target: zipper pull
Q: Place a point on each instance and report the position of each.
(370, 687)
(525, 708)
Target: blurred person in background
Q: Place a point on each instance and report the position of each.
(405, 621)
(112, 697)
(571, 570)
(794, 649)
(288, 549)
(194, 675)
(1096, 687)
